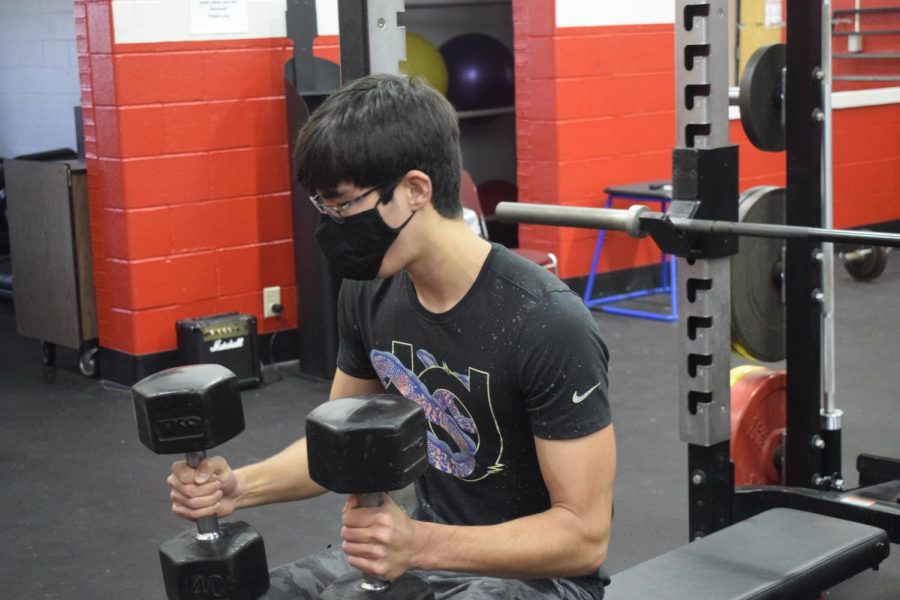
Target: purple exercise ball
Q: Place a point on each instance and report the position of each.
(480, 72)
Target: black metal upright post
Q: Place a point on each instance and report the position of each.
(370, 42)
(804, 442)
(352, 18)
(307, 82)
(306, 73)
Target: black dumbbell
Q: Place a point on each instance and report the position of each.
(367, 445)
(190, 410)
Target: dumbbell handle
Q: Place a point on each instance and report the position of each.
(372, 583)
(207, 527)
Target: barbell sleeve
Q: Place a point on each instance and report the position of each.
(615, 219)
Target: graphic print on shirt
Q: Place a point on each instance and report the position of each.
(456, 435)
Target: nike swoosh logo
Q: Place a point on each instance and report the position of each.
(577, 398)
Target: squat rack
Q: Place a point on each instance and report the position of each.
(705, 187)
(701, 228)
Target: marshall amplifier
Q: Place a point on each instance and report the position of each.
(228, 339)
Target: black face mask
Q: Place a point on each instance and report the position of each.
(357, 246)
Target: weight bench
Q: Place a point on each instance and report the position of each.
(781, 554)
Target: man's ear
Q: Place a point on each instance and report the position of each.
(418, 186)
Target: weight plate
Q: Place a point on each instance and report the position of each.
(757, 311)
(863, 263)
(761, 98)
(758, 422)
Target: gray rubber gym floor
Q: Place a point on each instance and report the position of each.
(83, 505)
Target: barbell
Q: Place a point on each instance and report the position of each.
(757, 301)
(634, 221)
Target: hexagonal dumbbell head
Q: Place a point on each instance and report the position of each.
(188, 409)
(233, 566)
(365, 444)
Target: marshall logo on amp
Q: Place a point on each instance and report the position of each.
(219, 345)
(228, 339)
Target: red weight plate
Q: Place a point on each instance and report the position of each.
(758, 419)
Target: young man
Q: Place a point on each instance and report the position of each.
(517, 501)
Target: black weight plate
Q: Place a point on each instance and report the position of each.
(868, 267)
(757, 312)
(761, 98)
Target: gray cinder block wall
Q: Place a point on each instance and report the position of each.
(39, 85)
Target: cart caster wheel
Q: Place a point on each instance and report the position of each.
(87, 362)
(48, 353)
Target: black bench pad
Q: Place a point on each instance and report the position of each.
(779, 554)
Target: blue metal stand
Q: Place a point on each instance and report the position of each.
(644, 192)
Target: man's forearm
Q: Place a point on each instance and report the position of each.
(554, 543)
(285, 476)
(282, 478)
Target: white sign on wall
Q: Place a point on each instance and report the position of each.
(155, 21)
(327, 17)
(773, 13)
(219, 16)
(598, 13)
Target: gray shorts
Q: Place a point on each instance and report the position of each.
(306, 578)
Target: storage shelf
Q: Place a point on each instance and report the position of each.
(869, 32)
(859, 55)
(866, 78)
(488, 136)
(863, 11)
(487, 112)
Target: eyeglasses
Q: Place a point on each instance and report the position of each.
(335, 212)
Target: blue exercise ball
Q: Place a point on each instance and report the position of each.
(480, 72)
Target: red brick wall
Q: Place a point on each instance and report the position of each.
(595, 107)
(188, 176)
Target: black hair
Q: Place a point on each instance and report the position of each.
(377, 128)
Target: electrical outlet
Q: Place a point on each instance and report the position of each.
(271, 297)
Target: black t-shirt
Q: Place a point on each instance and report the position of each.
(519, 356)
